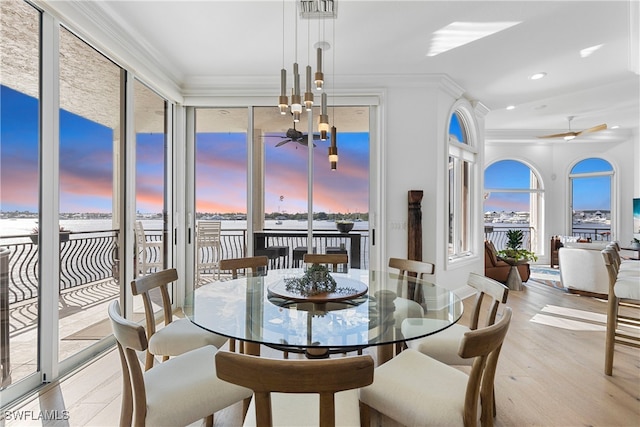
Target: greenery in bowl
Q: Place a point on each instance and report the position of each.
(316, 280)
(514, 250)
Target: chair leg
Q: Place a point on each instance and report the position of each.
(232, 345)
(208, 422)
(365, 415)
(612, 323)
(148, 364)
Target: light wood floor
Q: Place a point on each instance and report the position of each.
(550, 373)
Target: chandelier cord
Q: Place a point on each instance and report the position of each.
(282, 33)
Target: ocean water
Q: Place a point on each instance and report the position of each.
(24, 226)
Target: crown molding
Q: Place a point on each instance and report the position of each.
(98, 25)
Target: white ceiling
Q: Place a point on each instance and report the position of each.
(203, 43)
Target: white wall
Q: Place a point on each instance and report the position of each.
(554, 159)
(415, 152)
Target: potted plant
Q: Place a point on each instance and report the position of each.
(35, 232)
(344, 225)
(514, 253)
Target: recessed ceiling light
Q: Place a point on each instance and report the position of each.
(537, 76)
(511, 107)
(458, 34)
(589, 50)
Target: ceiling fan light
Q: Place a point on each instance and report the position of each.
(569, 137)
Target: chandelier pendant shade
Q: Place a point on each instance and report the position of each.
(319, 77)
(283, 100)
(333, 149)
(308, 95)
(296, 103)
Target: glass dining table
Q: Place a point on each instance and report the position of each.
(366, 308)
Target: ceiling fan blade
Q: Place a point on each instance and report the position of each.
(594, 129)
(282, 142)
(560, 135)
(304, 141)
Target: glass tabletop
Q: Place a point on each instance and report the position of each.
(390, 309)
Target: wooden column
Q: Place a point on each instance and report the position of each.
(414, 226)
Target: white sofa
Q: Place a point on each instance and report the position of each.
(582, 268)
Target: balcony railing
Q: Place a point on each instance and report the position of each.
(89, 257)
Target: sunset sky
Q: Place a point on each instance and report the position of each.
(86, 158)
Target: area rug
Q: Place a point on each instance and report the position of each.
(546, 275)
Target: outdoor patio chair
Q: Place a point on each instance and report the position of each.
(209, 248)
(149, 252)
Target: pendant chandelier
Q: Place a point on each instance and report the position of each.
(319, 10)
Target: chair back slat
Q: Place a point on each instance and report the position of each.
(491, 288)
(420, 268)
(144, 285)
(332, 260)
(252, 263)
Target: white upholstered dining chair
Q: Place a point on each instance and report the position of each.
(624, 290)
(175, 393)
(177, 336)
(410, 301)
(417, 390)
(299, 392)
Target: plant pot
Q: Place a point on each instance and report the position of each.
(344, 227)
(64, 237)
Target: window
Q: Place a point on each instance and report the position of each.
(337, 194)
(590, 183)
(462, 160)
(19, 186)
(512, 200)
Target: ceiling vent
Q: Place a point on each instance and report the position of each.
(310, 9)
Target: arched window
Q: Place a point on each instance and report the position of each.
(512, 200)
(590, 183)
(462, 159)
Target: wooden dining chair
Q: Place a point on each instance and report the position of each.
(177, 336)
(410, 301)
(417, 390)
(444, 345)
(175, 393)
(283, 389)
(333, 260)
(254, 264)
(624, 290)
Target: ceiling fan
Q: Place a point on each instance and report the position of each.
(568, 136)
(294, 135)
